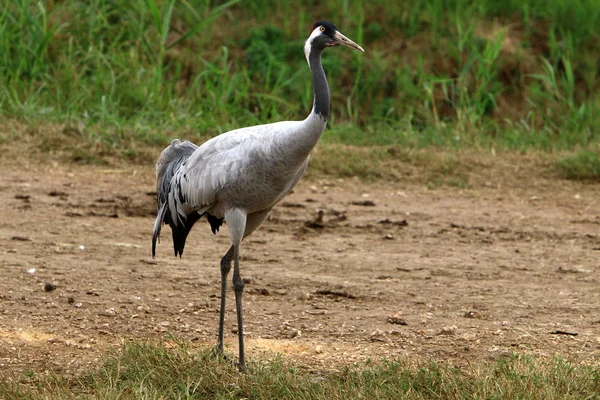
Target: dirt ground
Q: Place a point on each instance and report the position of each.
(386, 270)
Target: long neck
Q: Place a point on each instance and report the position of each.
(297, 143)
(321, 88)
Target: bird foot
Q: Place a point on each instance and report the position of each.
(218, 353)
(241, 366)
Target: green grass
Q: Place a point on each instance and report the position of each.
(144, 371)
(515, 75)
(583, 165)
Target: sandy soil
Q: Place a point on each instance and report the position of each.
(387, 270)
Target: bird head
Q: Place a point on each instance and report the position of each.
(325, 34)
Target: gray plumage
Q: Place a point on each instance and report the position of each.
(238, 177)
(169, 162)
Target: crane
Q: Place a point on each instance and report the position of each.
(238, 176)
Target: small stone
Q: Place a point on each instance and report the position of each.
(49, 287)
(110, 311)
(294, 333)
(448, 330)
(472, 314)
(396, 319)
(70, 300)
(377, 336)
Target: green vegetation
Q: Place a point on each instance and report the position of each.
(584, 165)
(157, 372)
(516, 74)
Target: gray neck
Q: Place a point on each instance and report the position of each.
(320, 86)
(296, 144)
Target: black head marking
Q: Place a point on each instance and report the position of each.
(330, 28)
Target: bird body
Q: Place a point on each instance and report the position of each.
(240, 175)
(253, 167)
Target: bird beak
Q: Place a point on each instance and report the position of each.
(340, 39)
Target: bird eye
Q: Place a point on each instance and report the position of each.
(322, 29)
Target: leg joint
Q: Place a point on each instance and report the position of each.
(226, 262)
(238, 283)
(225, 265)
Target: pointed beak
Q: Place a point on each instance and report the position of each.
(340, 39)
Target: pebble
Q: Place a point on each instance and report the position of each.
(294, 333)
(396, 319)
(49, 287)
(448, 330)
(110, 311)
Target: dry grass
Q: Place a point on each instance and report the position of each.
(24, 144)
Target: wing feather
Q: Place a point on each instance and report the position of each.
(219, 162)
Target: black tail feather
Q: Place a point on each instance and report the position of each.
(157, 225)
(180, 232)
(215, 223)
(169, 161)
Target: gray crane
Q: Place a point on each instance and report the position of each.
(240, 175)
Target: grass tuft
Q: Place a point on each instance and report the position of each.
(149, 371)
(584, 165)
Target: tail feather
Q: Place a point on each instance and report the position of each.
(180, 233)
(169, 161)
(157, 225)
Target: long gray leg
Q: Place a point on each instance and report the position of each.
(253, 221)
(225, 268)
(238, 287)
(236, 222)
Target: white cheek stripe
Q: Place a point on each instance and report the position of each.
(308, 44)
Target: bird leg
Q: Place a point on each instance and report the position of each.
(236, 223)
(225, 268)
(238, 286)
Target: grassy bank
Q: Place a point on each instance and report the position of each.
(447, 74)
(156, 372)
